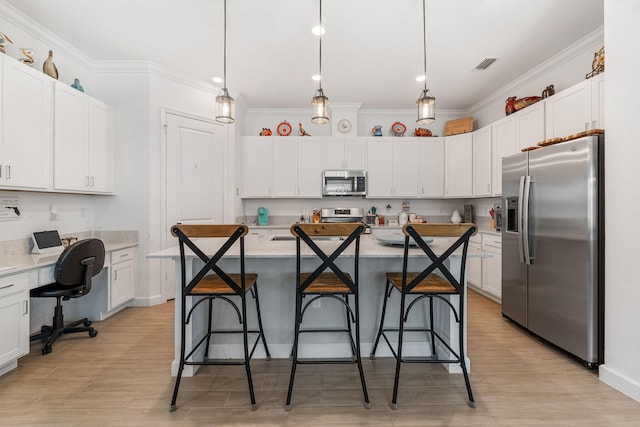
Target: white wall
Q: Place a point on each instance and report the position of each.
(622, 341)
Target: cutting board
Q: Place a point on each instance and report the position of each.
(454, 127)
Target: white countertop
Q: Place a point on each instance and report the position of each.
(264, 247)
(11, 264)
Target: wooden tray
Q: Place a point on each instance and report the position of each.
(454, 127)
(535, 147)
(571, 137)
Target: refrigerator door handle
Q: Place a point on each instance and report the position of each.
(525, 220)
(520, 220)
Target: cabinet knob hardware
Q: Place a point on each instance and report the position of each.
(8, 170)
(26, 306)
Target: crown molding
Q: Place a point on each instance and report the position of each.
(555, 61)
(33, 28)
(446, 111)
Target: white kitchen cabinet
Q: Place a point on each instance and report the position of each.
(310, 167)
(482, 172)
(26, 138)
(14, 317)
(122, 281)
(285, 167)
(84, 145)
(503, 144)
(530, 128)
(569, 111)
(474, 264)
(392, 167)
(431, 167)
(492, 266)
(458, 165)
(597, 101)
(258, 166)
(345, 153)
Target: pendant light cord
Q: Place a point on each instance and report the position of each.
(320, 62)
(224, 70)
(424, 34)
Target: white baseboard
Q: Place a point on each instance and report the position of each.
(148, 301)
(620, 382)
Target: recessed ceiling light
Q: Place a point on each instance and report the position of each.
(421, 78)
(318, 30)
(218, 80)
(316, 77)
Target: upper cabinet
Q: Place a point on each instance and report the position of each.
(25, 143)
(530, 128)
(458, 165)
(482, 162)
(345, 153)
(431, 167)
(503, 144)
(258, 166)
(392, 167)
(84, 145)
(576, 109)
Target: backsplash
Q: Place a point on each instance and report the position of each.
(24, 246)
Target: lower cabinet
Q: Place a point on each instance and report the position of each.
(14, 317)
(485, 274)
(121, 286)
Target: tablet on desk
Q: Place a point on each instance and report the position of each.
(46, 242)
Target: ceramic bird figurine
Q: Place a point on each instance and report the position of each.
(28, 57)
(49, 67)
(4, 39)
(77, 86)
(302, 131)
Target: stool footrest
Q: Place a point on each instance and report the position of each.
(336, 360)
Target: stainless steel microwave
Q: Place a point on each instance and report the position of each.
(344, 183)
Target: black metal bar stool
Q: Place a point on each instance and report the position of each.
(430, 285)
(205, 286)
(334, 284)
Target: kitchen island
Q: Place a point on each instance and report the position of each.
(275, 263)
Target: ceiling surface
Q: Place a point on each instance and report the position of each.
(372, 51)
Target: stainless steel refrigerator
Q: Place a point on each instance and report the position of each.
(553, 244)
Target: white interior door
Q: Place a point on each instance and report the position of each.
(196, 152)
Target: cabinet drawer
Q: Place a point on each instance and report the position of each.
(14, 283)
(122, 255)
(476, 239)
(492, 241)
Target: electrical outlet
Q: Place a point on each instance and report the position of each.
(83, 212)
(317, 303)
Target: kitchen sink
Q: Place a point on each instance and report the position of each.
(287, 238)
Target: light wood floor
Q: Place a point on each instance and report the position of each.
(122, 378)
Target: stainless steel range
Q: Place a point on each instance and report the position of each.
(341, 215)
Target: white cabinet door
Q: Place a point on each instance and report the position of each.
(474, 267)
(482, 172)
(492, 266)
(258, 166)
(530, 125)
(71, 145)
(334, 152)
(503, 138)
(431, 167)
(379, 167)
(405, 167)
(569, 111)
(25, 144)
(355, 153)
(101, 157)
(597, 101)
(310, 166)
(285, 166)
(121, 287)
(14, 317)
(458, 166)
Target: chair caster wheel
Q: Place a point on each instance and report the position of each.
(367, 405)
(394, 406)
(93, 333)
(254, 406)
(87, 323)
(46, 349)
(173, 408)
(287, 408)
(472, 404)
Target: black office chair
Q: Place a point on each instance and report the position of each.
(335, 284)
(435, 281)
(73, 272)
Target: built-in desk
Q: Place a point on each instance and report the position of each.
(275, 264)
(112, 289)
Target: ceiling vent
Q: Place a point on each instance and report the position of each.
(485, 64)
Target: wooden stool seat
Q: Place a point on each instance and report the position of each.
(214, 284)
(430, 284)
(327, 283)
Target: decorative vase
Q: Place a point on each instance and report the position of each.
(510, 105)
(377, 130)
(455, 217)
(77, 86)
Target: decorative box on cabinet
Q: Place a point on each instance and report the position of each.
(84, 145)
(14, 319)
(458, 165)
(25, 126)
(482, 171)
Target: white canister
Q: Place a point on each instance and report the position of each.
(455, 217)
(403, 218)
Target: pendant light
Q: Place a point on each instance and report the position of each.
(225, 105)
(426, 103)
(320, 102)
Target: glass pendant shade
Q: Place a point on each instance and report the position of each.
(320, 105)
(426, 108)
(225, 107)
